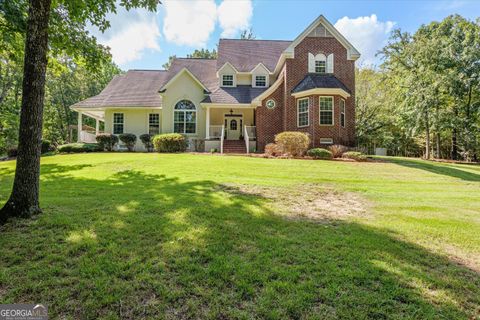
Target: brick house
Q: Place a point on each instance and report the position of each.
(241, 100)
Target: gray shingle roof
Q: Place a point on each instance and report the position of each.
(136, 88)
(245, 55)
(315, 80)
(202, 69)
(239, 94)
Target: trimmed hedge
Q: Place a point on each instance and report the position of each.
(293, 143)
(146, 139)
(129, 139)
(170, 142)
(319, 153)
(354, 155)
(79, 147)
(107, 141)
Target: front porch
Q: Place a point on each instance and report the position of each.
(87, 133)
(230, 130)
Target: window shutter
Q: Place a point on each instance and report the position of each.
(330, 63)
(311, 62)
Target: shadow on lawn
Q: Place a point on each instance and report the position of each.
(145, 246)
(438, 168)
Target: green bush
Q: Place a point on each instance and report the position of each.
(79, 147)
(170, 142)
(12, 152)
(129, 139)
(47, 146)
(146, 139)
(107, 141)
(354, 155)
(293, 143)
(319, 153)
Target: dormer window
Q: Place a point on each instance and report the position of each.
(260, 81)
(227, 80)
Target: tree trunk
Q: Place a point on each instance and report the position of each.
(23, 201)
(427, 132)
(438, 155)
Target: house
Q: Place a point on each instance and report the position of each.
(241, 100)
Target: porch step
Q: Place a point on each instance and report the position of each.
(234, 146)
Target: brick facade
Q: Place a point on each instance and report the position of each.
(284, 116)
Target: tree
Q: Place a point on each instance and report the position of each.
(199, 54)
(65, 19)
(247, 34)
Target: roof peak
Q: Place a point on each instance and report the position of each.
(230, 39)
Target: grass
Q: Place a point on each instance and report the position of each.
(160, 236)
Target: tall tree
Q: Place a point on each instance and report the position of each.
(69, 17)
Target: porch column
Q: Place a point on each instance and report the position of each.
(79, 123)
(97, 126)
(207, 136)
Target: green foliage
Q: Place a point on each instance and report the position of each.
(170, 142)
(46, 146)
(107, 141)
(79, 147)
(354, 155)
(199, 54)
(247, 34)
(293, 143)
(146, 139)
(12, 152)
(129, 139)
(319, 153)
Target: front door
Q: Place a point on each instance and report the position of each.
(233, 127)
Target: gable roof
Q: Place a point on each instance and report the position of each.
(352, 53)
(245, 55)
(203, 70)
(135, 88)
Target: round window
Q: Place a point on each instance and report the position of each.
(270, 104)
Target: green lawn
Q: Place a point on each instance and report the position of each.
(199, 236)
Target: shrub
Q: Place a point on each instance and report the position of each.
(46, 146)
(170, 142)
(354, 155)
(129, 139)
(107, 141)
(213, 150)
(293, 143)
(146, 139)
(12, 152)
(337, 150)
(319, 153)
(79, 147)
(273, 150)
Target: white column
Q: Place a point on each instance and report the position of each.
(207, 136)
(79, 121)
(97, 126)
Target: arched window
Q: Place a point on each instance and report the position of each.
(233, 124)
(320, 63)
(184, 117)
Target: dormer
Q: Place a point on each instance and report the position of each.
(227, 76)
(260, 76)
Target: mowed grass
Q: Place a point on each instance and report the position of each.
(135, 236)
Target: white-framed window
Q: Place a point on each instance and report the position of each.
(326, 111)
(227, 80)
(303, 117)
(185, 117)
(326, 141)
(118, 123)
(320, 66)
(342, 113)
(260, 81)
(154, 123)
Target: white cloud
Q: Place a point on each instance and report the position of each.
(189, 22)
(367, 34)
(131, 33)
(234, 15)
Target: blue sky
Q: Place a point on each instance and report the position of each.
(144, 40)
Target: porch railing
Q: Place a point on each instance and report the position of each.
(214, 132)
(88, 137)
(249, 133)
(222, 136)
